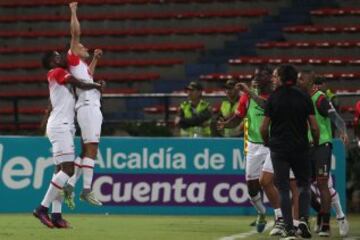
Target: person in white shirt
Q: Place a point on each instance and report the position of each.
(60, 130)
(89, 116)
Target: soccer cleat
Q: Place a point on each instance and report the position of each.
(278, 228)
(42, 214)
(304, 228)
(288, 235)
(324, 231)
(58, 221)
(260, 223)
(343, 226)
(90, 198)
(68, 194)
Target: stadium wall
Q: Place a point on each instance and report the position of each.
(143, 175)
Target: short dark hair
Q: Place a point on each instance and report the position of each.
(47, 59)
(287, 73)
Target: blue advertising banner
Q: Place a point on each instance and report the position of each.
(143, 175)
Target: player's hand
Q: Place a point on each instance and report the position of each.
(345, 138)
(242, 87)
(98, 53)
(177, 120)
(73, 6)
(103, 84)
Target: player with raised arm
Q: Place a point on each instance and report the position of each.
(89, 116)
(60, 129)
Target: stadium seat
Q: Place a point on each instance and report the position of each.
(293, 60)
(109, 77)
(21, 126)
(129, 32)
(226, 76)
(323, 29)
(309, 44)
(325, 12)
(142, 15)
(23, 110)
(157, 109)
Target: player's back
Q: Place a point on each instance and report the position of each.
(62, 99)
(80, 70)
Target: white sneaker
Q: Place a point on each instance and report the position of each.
(278, 228)
(343, 226)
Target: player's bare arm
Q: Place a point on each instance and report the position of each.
(84, 85)
(259, 100)
(75, 29)
(97, 55)
(315, 132)
(264, 130)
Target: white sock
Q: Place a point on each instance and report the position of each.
(77, 172)
(335, 203)
(57, 183)
(278, 213)
(56, 204)
(296, 223)
(258, 204)
(88, 171)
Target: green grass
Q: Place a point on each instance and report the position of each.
(125, 227)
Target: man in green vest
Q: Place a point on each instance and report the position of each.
(325, 114)
(194, 114)
(228, 108)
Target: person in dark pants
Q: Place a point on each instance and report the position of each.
(288, 113)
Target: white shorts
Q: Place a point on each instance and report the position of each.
(255, 158)
(90, 118)
(62, 141)
(268, 167)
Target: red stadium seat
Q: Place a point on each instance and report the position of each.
(157, 109)
(295, 60)
(128, 32)
(323, 29)
(22, 126)
(142, 15)
(23, 110)
(227, 76)
(325, 12)
(309, 44)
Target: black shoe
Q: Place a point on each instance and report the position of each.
(324, 231)
(288, 235)
(304, 228)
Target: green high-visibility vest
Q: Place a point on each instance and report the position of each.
(196, 131)
(255, 116)
(227, 110)
(324, 123)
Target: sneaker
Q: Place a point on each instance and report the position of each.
(58, 221)
(260, 223)
(41, 213)
(343, 226)
(278, 228)
(288, 235)
(304, 228)
(90, 198)
(68, 194)
(324, 231)
(253, 224)
(318, 224)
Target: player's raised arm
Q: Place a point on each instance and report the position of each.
(74, 28)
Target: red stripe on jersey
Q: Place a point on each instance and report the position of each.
(86, 166)
(55, 185)
(244, 100)
(319, 100)
(72, 58)
(60, 75)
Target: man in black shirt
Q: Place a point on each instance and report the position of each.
(288, 113)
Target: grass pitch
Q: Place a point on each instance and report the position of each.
(138, 227)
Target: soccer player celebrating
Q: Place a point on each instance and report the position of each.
(325, 114)
(60, 129)
(256, 151)
(89, 116)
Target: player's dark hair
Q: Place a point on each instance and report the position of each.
(46, 59)
(287, 74)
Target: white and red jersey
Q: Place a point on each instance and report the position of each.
(80, 70)
(62, 99)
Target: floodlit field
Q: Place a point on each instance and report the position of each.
(125, 227)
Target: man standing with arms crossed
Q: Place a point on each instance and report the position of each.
(288, 113)
(89, 116)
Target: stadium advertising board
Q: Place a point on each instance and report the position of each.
(142, 175)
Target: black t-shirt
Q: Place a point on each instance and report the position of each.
(288, 109)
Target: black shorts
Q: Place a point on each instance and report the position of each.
(320, 157)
